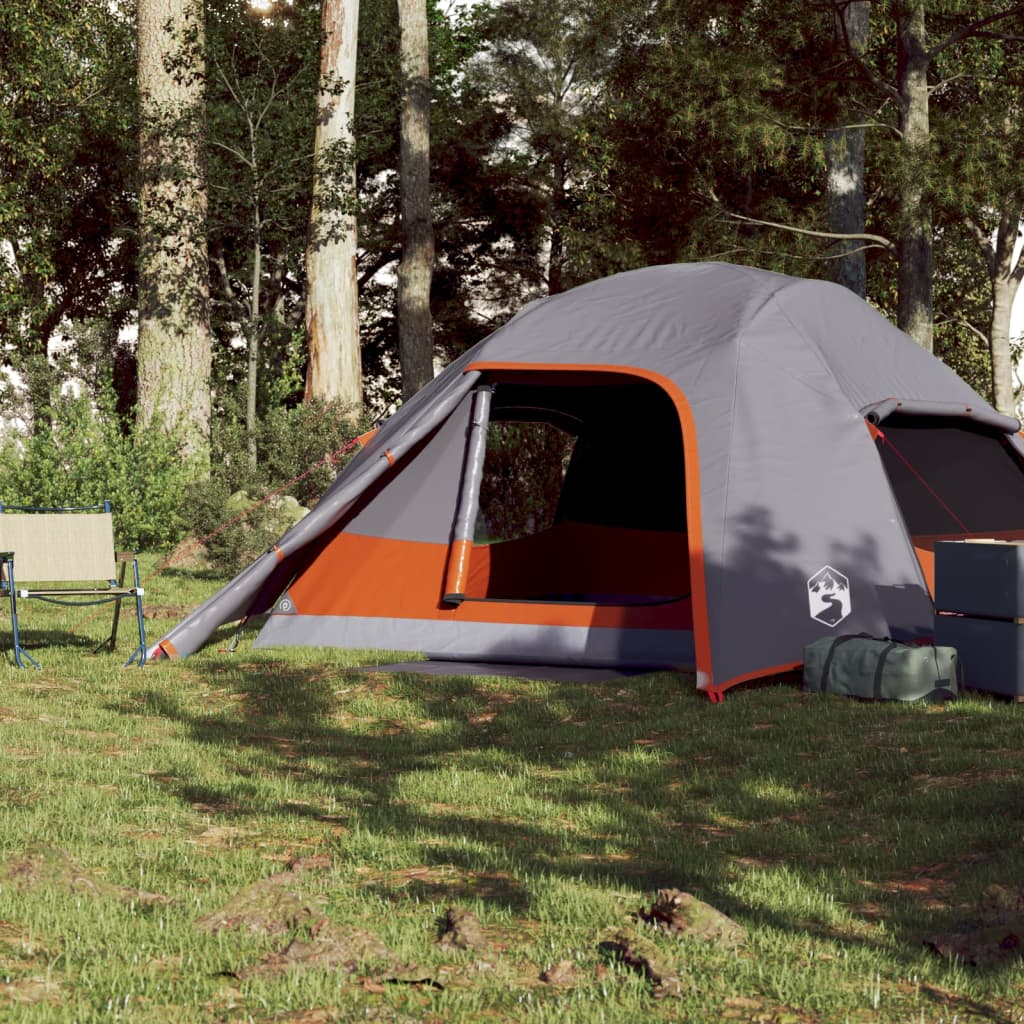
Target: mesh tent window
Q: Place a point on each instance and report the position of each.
(952, 475)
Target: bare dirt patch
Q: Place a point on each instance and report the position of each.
(323, 945)
(48, 867)
(461, 930)
(644, 956)
(37, 989)
(272, 906)
(447, 882)
(993, 936)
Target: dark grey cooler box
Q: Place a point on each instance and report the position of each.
(979, 604)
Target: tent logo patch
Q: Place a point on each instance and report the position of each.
(828, 593)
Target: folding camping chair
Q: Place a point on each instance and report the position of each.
(72, 550)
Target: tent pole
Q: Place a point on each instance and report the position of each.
(457, 574)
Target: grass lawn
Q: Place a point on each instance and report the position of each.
(269, 836)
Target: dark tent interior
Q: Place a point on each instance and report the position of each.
(583, 495)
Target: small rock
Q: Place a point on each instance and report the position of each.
(682, 914)
(562, 974)
(462, 930)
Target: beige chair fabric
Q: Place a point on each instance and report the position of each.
(59, 547)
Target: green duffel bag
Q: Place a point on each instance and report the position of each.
(871, 669)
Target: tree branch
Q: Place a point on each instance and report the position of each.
(865, 68)
(973, 29)
(959, 322)
(236, 153)
(874, 241)
(984, 243)
(233, 300)
(826, 258)
(811, 129)
(378, 263)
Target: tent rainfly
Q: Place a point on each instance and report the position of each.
(699, 466)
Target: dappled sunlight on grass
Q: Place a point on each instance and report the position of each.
(839, 834)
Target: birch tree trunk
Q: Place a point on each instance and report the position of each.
(915, 313)
(556, 255)
(334, 372)
(254, 335)
(1006, 273)
(415, 272)
(844, 154)
(174, 346)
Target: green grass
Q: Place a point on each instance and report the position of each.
(136, 803)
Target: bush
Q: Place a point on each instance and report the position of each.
(233, 513)
(84, 458)
(294, 441)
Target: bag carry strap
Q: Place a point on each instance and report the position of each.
(827, 667)
(879, 668)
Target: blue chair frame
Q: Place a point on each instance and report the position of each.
(114, 591)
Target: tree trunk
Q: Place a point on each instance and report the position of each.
(334, 372)
(415, 272)
(253, 361)
(915, 306)
(1006, 273)
(174, 347)
(556, 251)
(556, 259)
(844, 154)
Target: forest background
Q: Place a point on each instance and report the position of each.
(232, 234)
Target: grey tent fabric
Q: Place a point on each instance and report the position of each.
(772, 378)
(248, 593)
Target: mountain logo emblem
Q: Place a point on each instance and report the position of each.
(828, 593)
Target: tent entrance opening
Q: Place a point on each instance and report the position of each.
(582, 493)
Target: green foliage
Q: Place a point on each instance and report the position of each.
(262, 73)
(67, 153)
(300, 452)
(83, 458)
(569, 141)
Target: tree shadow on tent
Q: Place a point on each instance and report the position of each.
(761, 599)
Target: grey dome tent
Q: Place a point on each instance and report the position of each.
(736, 463)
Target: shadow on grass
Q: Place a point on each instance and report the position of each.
(38, 642)
(187, 575)
(810, 815)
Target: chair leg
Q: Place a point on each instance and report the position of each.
(20, 654)
(140, 651)
(112, 642)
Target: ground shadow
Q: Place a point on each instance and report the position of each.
(864, 808)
